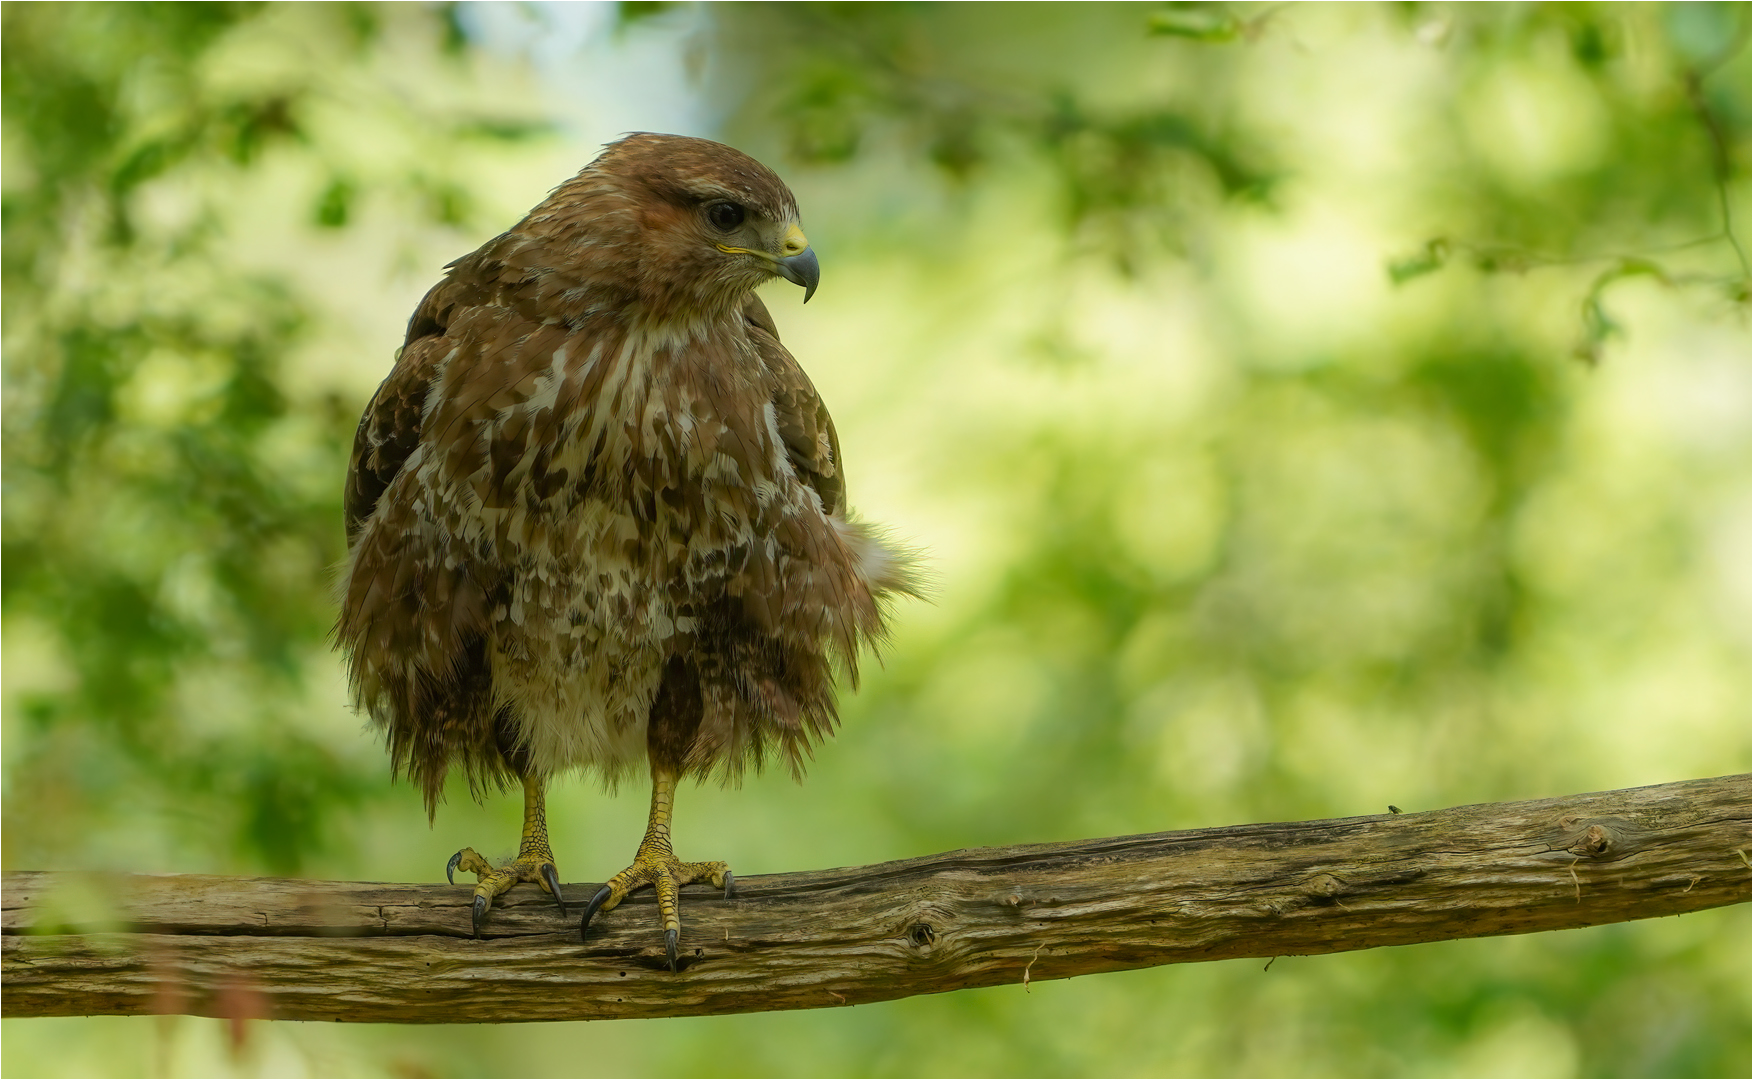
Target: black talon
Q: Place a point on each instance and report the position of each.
(450, 868)
(730, 885)
(476, 910)
(669, 944)
(551, 878)
(591, 909)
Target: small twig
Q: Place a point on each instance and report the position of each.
(1029, 965)
(1718, 144)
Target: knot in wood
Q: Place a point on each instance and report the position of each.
(1595, 843)
(1603, 838)
(928, 927)
(1324, 887)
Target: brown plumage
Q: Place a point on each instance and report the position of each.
(596, 512)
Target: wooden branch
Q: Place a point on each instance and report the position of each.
(313, 950)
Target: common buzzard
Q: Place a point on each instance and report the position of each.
(597, 514)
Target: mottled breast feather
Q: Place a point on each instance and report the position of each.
(597, 499)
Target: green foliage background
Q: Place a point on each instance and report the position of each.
(1304, 408)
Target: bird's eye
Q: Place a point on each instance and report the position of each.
(725, 215)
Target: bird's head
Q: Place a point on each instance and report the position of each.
(691, 225)
(774, 246)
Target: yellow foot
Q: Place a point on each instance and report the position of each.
(656, 865)
(533, 866)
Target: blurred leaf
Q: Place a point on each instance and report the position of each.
(1433, 257)
(632, 11)
(1705, 33)
(1598, 326)
(1198, 24)
(335, 203)
(505, 129)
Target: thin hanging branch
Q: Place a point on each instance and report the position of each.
(354, 951)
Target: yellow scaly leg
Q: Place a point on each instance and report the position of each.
(534, 862)
(656, 865)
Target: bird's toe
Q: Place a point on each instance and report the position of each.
(599, 902)
(551, 882)
(477, 912)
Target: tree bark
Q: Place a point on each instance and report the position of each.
(315, 950)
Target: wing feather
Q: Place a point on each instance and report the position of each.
(415, 627)
(811, 442)
(389, 430)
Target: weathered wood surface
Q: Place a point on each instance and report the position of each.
(315, 950)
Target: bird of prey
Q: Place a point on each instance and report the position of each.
(597, 514)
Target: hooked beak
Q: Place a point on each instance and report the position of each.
(802, 269)
(797, 263)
